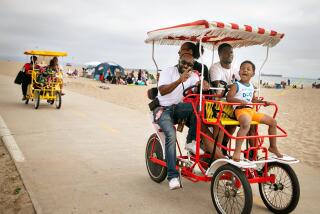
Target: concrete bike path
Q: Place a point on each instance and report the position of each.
(88, 157)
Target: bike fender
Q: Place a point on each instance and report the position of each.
(241, 164)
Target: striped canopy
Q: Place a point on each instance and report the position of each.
(213, 34)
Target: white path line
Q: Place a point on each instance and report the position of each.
(10, 142)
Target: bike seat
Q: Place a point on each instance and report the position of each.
(228, 121)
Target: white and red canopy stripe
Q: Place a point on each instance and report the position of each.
(214, 33)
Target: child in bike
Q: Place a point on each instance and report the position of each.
(49, 75)
(243, 92)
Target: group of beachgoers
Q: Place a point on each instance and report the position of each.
(130, 78)
(281, 85)
(315, 85)
(171, 109)
(46, 74)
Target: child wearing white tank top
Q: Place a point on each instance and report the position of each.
(243, 92)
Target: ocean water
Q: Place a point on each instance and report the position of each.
(293, 81)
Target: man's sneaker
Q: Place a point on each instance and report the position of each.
(191, 147)
(174, 183)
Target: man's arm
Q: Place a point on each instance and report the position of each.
(167, 89)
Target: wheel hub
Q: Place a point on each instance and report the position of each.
(277, 186)
(227, 193)
(230, 192)
(154, 155)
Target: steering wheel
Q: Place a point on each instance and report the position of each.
(185, 91)
(225, 86)
(217, 85)
(223, 83)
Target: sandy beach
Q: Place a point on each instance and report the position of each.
(299, 113)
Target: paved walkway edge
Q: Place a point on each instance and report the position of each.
(17, 156)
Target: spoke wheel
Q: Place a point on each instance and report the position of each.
(230, 190)
(58, 100)
(36, 99)
(283, 195)
(157, 172)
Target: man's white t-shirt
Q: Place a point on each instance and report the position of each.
(217, 72)
(168, 76)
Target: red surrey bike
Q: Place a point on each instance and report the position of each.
(230, 181)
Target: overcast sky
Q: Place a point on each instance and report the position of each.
(115, 30)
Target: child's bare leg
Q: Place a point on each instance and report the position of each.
(225, 139)
(245, 121)
(272, 123)
(208, 144)
(215, 132)
(252, 132)
(220, 136)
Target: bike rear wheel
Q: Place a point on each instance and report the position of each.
(58, 100)
(36, 99)
(282, 196)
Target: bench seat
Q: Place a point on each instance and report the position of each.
(229, 122)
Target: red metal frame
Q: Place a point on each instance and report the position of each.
(252, 175)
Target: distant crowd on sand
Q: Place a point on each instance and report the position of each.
(285, 84)
(129, 78)
(315, 85)
(282, 84)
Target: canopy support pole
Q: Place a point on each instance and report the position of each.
(33, 63)
(264, 62)
(154, 61)
(202, 72)
(212, 54)
(211, 63)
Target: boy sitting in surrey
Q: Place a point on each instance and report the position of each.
(243, 92)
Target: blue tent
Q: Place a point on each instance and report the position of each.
(104, 67)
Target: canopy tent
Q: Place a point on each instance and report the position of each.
(103, 69)
(212, 34)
